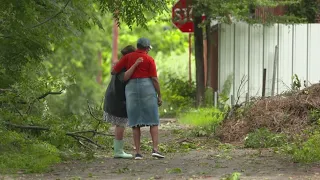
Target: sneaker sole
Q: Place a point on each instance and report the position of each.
(115, 157)
(138, 158)
(157, 155)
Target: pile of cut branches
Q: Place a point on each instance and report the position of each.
(287, 114)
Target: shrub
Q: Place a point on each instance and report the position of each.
(25, 154)
(178, 95)
(308, 151)
(305, 148)
(263, 138)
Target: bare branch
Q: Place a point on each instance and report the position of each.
(231, 110)
(243, 81)
(52, 17)
(49, 93)
(4, 90)
(85, 138)
(91, 113)
(39, 128)
(92, 131)
(41, 97)
(18, 111)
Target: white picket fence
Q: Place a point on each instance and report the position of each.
(283, 50)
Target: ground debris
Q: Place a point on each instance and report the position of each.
(286, 113)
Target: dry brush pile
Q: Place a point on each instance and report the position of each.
(287, 114)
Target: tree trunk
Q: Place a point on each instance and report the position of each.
(209, 55)
(115, 34)
(198, 41)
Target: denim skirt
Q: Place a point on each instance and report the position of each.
(141, 103)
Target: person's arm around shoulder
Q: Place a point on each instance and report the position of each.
(119, 66)
(131, 70)
(155, 80)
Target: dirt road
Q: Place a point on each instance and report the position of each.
(187, 157)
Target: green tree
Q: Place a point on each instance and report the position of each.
(305, 9)
(43, 91)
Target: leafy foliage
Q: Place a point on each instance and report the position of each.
(305, 148)
(18, 152)
(234, 10)
(52, 55)
(179, 93)
(305, 9)
(233, 176)
(263, 138)
(135, 11)
(308, 151)
(30, 28)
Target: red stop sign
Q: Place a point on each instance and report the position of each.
(182, 16)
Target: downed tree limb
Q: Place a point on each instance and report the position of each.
(38, 128)
(76, 135)
(92, 131)
(4, 90)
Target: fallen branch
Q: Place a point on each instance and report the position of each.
(76, 135)
(4, 90)
(85, 138)
(94, 132)
(38, 128)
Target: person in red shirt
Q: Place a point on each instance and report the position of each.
(142, 95)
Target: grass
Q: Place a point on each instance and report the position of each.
(202, 117)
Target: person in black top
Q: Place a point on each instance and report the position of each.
(114, 107)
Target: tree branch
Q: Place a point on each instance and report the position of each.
(4, 90)
(38, 128)
(41, 97)
(85, 138)
(92, 131)
(75, 135)
(49, 93)
(52, 17)
(91, 113)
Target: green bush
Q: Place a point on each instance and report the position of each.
(305, 148)
(178, 95)
(308, 151)
(22, 153)
(314, 115)
(263, 138)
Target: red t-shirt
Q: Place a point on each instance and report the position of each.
(145, 69)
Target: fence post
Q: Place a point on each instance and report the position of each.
(232, 100)
(215, 99)
(275, 62)
(264, 82)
